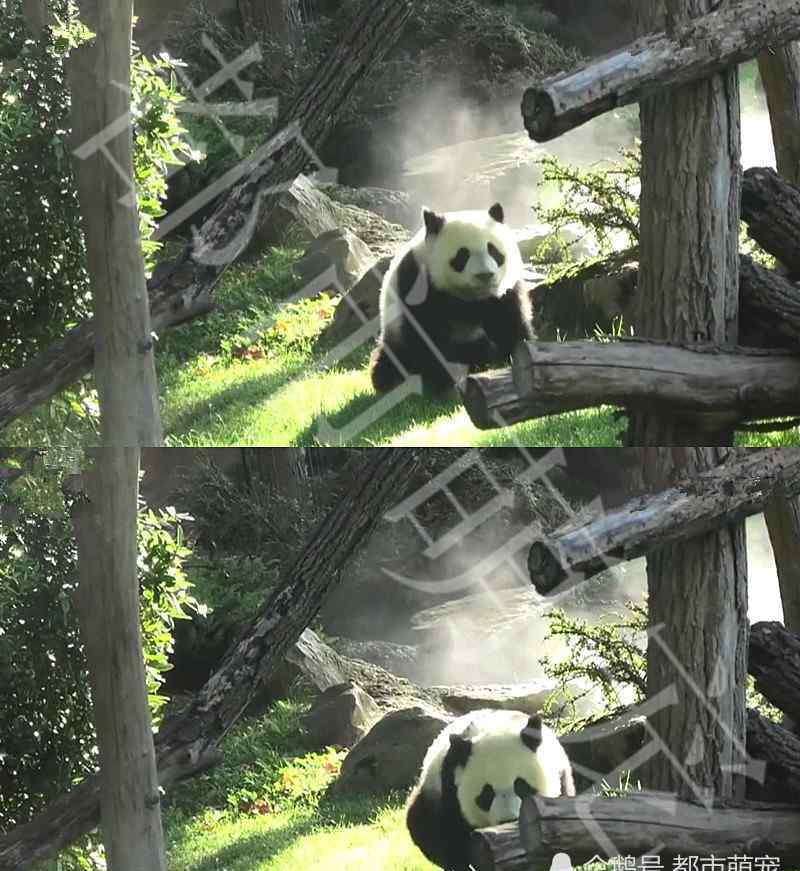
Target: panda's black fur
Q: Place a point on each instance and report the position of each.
(454, 295)
(475, 773)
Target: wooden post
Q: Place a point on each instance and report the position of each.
(104, 519)
(100, 78)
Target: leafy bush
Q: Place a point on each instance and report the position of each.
(44, 287)
(48, 739)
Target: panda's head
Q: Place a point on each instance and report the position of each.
(472, 255)
(495, 768)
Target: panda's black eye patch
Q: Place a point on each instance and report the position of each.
(523, 789)
(459, 262)
(496, 254)
(485, 799)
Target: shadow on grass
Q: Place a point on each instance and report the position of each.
(368, 419)
(231, 407)
(243, 853)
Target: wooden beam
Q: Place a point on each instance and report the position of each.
(771, 210)
(733, 33)
(775, 664)
(636, 825)
(724, 495)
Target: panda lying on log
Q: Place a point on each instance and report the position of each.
(453, 295)
(475, 774)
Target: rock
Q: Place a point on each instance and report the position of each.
(341, 716)
(528, 697)
(390, 755)
(303, 212)
(399, 659)
(612, 295)
(360, 305)
(338, 254)
(383, 237)
(397, 207)
(604, 747)
(540, 243)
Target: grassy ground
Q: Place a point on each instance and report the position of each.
(265, 809)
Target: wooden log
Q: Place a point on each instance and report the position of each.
(724, 495)
(640, 374)
(697, 49)
(638, 823)
(771, 210)
(776, 746)
(775, 664)
(499, 849)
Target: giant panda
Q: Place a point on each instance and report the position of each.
(475, 774)
(453, 294)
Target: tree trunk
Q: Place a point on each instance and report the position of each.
(280, 19)
(184, 287)
(774, 662)
(100, 78)
(779, 66)
(185, 742)
(283, 470)
(691, 507)
(697, 596)
(780, 72)
(104, 519)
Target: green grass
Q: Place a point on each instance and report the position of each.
(266, 808)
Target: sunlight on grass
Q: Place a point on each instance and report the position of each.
(298, 841)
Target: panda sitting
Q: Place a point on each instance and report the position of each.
(454, 294)
(475, 774)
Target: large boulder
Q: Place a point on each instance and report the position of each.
(360, 305)
(528, 697)
(340, 716)
(400, 659)
(390, 755)
(397, 207)
(605, 747)
(336, 256)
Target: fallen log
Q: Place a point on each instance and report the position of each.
(775, 664)
(776, 746)
(734, 490)
(186, 284)
(771, 210)
(187, 740)
(709, 44)
(637, 824)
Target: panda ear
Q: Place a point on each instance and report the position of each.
(532, 733)
(460, 749)
(496, 212)
(433, 222)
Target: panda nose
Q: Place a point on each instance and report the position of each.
(485, 276)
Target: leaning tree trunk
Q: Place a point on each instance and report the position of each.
(279, 19)
(100, 76)
(780, 72)
(187, 742)
(184, 288)
(104, 519)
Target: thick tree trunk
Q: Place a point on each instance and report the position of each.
(779, 66)
(692, 506)
(280, 469)
(697, 596)
(280, 19)
(104, 519)
(635, 825)
(99, 73)
(185, 742)
(695, 46)
(779, 748)
(771, 210)
(187, 283)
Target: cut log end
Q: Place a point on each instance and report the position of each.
(538, 112)
(544, 568)
(476, 403)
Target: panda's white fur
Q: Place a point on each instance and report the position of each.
(458, 284)
(472, 230)
(444, 806)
